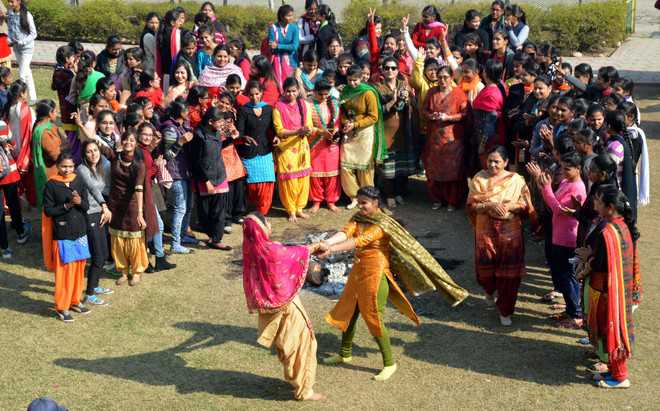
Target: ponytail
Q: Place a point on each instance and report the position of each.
(24, 22)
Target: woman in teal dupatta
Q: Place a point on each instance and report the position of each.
(364, 141)
(46, 146)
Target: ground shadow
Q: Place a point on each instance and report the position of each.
(12, 297)
(501, 355)
(166, 367)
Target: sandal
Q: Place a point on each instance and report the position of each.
(219, 246)
(570, 323)
(599, 368)
(558, 316)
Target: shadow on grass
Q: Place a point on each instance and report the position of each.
(503, 355)
(166, 367)
(12, 289)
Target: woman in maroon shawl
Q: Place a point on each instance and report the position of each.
(272, 277)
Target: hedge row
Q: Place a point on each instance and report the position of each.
(588, 27)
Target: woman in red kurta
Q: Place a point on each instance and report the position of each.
(445, 109)
(431, 26)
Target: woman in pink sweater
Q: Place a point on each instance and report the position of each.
(562, 203)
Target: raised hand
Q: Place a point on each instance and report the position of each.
(404, 22)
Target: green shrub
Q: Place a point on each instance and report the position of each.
(95, 20)
(587, 27)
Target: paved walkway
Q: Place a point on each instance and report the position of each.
(638, 58)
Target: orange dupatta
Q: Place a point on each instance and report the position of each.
(47, 228)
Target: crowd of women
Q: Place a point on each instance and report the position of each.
(496, 123)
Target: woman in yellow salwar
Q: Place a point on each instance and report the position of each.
(383, 249)
(292, 121)
(272, 277)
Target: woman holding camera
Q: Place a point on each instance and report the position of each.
(396, 98)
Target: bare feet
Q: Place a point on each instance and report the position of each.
(315, 208)
(332, 207)
(292, 218)
(317, 396)
(353, 204)
(302, 215)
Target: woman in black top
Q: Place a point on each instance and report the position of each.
(210, 176)
(64, 242)
(255, 125)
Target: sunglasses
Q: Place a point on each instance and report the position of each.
(390, 68)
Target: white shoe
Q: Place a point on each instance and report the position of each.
(352, 205)
(450, 209)
(506, 321)
(436, 206)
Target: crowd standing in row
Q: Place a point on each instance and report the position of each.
(189, 118)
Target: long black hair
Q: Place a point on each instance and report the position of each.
(85, 67)
(146, 29)
(44, 108)
(17, 88)
(263, 67)
(610, 195)
(24, 21)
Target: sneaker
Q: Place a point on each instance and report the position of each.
(94, 300)
(109, 266)
(101, 290)
(240, 220)
(23, 238)
(436, 206)
(505, 320)
(228, 229)
(7, 253)
(80, 309)
(189, 240)
(180, 250)
(450, 209)
(612, 383)
(65, 316)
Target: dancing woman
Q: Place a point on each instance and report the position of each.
(272, 277)
(383, 248)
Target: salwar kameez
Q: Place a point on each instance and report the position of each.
(290, 330)
(499, 245)
(292, 154)
(324, 182)
(610, 295)
(273, 274)
(444, 153)
(69, 281)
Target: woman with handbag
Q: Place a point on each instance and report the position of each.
(64, 236)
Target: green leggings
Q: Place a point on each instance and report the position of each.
(384, 340)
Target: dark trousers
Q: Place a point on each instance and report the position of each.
(392, 187)
(563, 275)
(236, 204)
(98, 248)
(211, 210)
(10, 192)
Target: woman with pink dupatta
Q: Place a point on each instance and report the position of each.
(283, 41)
(292, 121)
(214, 77)
(169, 43)
(273, 274)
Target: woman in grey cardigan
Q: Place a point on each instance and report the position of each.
(95, 172)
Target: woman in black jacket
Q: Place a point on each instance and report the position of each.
(210, 176)
(64, 240)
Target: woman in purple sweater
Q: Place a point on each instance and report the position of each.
(562, 202)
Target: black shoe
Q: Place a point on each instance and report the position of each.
(80, 309)
(150, 269)
(64, 316)
(162, 264)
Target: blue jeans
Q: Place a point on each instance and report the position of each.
(563, 275)
(182, 206)
(158, 237)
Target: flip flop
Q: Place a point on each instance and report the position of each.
(221, 247)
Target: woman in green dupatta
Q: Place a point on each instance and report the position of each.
(364, 144)
(46, 145)
(383, 249)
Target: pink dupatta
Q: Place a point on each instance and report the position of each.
(272, 272)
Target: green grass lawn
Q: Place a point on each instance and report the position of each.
(183, 340)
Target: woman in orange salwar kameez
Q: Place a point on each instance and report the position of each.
(272, 277)
(380, 243)
(445, 109)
